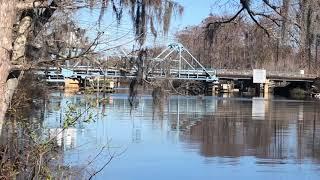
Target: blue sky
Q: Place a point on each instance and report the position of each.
(194, 12)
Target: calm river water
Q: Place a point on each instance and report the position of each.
(191, 137)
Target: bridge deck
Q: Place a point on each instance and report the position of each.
(271, 75)
(222, 74)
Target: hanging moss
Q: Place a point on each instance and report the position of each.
(143, 13)
(142, 56)
(152, 28)
(167, 16)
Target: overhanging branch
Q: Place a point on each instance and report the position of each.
(226, 21)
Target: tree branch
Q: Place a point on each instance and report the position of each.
(251, 14)
(226, 21)
(273, 7)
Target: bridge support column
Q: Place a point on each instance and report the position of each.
(214, 90)
(266, 87)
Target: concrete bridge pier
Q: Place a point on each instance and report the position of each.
(262, 89)
(266, 87)
(214, 89)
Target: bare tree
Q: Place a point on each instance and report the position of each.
(295, 26)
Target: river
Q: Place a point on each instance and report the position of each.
(190, 137)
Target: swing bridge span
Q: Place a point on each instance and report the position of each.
(174, 62)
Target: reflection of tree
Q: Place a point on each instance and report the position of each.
(308, 141)
(223, 136)
(233, 132)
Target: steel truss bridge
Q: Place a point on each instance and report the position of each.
(174, 62)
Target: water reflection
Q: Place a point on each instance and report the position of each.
(259, 108)
(64, 138)
(192, 132)
(290, 130)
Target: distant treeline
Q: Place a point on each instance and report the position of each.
(290, 43)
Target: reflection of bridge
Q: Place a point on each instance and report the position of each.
(175, 62)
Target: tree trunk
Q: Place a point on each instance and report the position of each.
(7, 18)
(284, 27)
(309, 37)
(19, 45)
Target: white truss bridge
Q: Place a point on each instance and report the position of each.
(174, 62)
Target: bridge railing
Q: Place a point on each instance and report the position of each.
(296, 74)
(270, 74)
(191, 74)
(233, 72)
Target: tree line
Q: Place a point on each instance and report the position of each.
(278, 35)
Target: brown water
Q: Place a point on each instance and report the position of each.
(193, 138)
